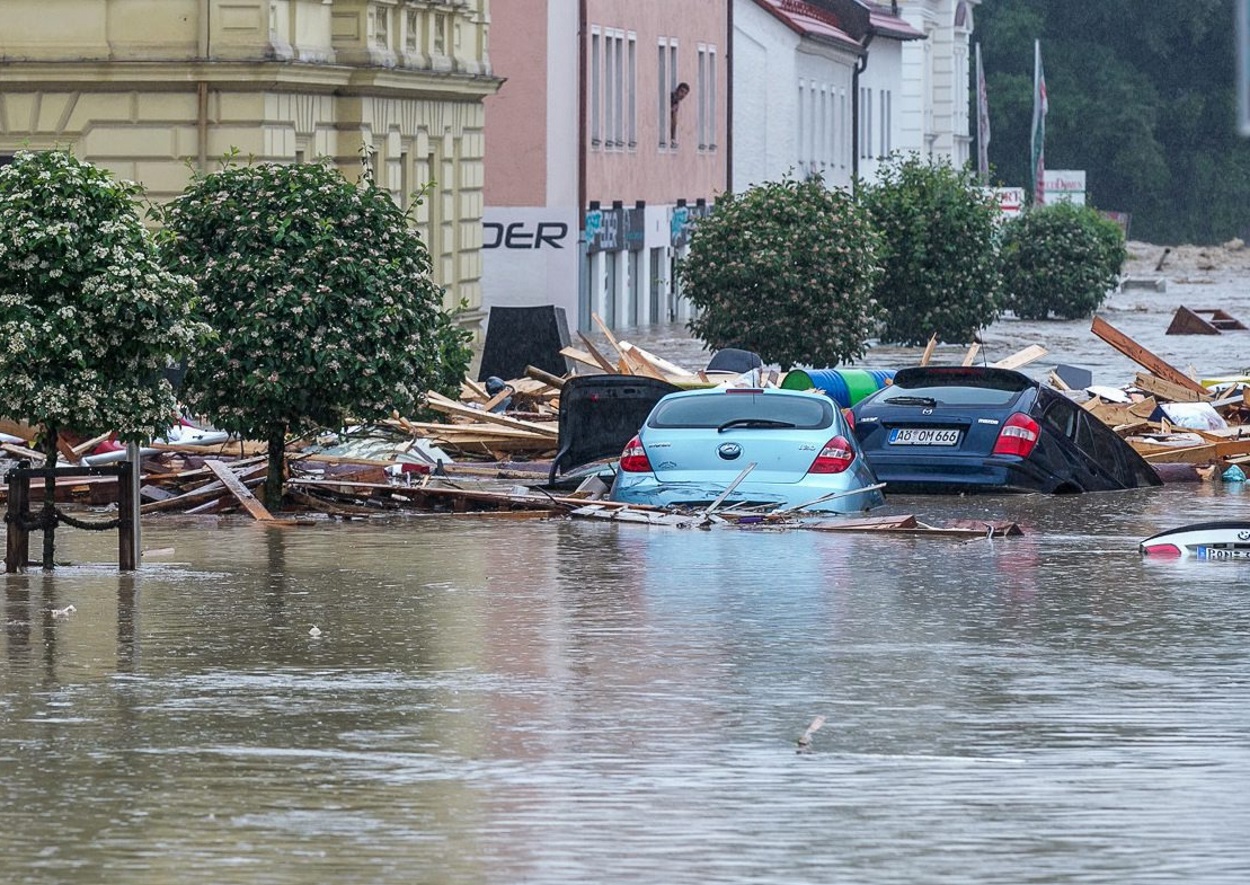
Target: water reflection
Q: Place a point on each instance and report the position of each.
(556, 701)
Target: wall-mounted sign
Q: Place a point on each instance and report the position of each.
(605, 230)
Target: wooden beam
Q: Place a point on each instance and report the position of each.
(1022, 357)
(440, 403)
(928, 350)
(595, 354)
(235, 486)
(1142, 356)
(1166, 390)
(545, 377)
(971, 355)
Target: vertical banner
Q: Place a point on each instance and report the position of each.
(1243, 66)
(983, 124)
(1039, 126)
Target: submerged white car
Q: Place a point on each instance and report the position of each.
(766, 449)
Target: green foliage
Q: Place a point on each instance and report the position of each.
(1143, 102)
(321, 297)
(785, 269)
(940, 257)
(89, 318)
(1060, 258)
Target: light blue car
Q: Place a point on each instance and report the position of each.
(764, 449)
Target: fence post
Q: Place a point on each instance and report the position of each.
(17, 548)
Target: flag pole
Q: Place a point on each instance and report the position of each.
(1038, 170)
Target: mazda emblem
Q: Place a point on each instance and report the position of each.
(729, 451)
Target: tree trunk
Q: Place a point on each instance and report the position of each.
(275, 478)
(49, 495)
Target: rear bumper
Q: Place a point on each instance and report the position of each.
(950, 475)
(647, 490)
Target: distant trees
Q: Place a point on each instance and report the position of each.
(320, 296)
(1144, 102)
(786, 269)
(939, 257)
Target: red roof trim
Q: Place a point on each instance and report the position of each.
(808, 20)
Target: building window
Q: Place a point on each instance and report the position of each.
(412, 31)
(886, 145)
(381, 28)
(707, 98)
(631, 92)
(596, 89)
(440, 34)
(672, 92)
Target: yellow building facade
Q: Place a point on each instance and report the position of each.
(151, 89)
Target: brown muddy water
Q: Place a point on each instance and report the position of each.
(494, 701)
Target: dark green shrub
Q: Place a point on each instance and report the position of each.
(1060, 259)
(940, 252)
(785, 269)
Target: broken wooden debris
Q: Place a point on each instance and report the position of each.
(1202, 321)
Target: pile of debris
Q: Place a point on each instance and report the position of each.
(1171, 418)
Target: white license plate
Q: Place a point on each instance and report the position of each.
(923, 436)
(1204, 552)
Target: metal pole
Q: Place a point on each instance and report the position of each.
(132, 455)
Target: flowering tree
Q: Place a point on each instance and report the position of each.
(940, 253)
(89, 318)
(320, 295)
(785, 269)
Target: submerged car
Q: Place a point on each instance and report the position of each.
(769, 449)
(942, 429)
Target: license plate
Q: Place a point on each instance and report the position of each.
(923, 436)
(1223, 552)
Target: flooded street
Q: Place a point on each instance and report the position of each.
(549, 701)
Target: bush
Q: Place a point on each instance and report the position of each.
(785, 269)
(1062, 259)
(940, 254)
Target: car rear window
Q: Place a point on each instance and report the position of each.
(972, 387)
(806, 412)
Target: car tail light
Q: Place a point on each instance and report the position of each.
(1018, 436)
(1161, 550)
(835, 457)
(634, 457)
(850, 418)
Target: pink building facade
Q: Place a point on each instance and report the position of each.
(609, 135)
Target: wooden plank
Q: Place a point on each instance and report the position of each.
(239, 490)
(202, 493)
(546, 377)
(1022, 357)
(1166, 390)
(1142, 356)
(595, 354)
(659, 362)
(928, 350)
(607, 333)
(440, 403)
(581, 356)
(971, 355)
(647, 367)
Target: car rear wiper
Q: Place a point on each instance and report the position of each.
(752, 422)
(912, 401)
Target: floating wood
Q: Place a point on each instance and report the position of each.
(1203, 322)
(1142, 356)
(240, 491)
(971, 355)
(1022, 357)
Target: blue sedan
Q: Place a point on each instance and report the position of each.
(765, 449)
(957, 429)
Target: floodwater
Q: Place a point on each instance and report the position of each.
(555, 701)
